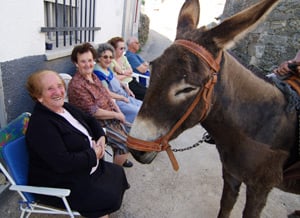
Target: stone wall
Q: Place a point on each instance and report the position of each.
(275, 40)
(144, 25)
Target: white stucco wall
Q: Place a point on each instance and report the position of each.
(20, 25)
(21, 22)
(109, 17)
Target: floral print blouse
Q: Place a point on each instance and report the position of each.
(89, 96)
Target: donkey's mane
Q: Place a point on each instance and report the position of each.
(254, 69)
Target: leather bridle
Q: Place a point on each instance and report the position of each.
(162, 143)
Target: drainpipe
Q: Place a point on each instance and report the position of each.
(124, 18)
(131, 16)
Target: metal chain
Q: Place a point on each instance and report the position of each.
(205, 138)
(189, 147)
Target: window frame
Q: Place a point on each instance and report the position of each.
(66, 26)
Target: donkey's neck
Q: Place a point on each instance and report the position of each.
(243, 85)
(244, 102)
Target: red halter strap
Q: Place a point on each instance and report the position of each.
(162, 143)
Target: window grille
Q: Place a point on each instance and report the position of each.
(69, 22)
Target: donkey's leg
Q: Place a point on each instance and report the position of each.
(230, 193)
(255, 200)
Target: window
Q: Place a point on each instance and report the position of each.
(69, 22)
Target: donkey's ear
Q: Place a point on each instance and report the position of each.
(235, 27)
(188, 17)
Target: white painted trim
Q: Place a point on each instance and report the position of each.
(58, 53)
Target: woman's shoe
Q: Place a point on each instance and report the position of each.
(127, 163)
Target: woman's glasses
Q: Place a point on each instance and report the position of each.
(106, 57)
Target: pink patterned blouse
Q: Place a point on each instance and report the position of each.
(88, 96)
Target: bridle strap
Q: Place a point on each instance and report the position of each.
(206, 94)
(202, 53)
(162, 143)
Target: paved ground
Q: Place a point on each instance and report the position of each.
(194, 191)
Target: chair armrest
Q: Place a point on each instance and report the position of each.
(140, 75)
(58, 192)
(136, 75)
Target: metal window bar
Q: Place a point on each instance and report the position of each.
(67, 21)
(93, 23)
(81, 9)
(76, 21)
(90, 19)
(56, 22)
(85, 17)
(64, 21)
(71, 22)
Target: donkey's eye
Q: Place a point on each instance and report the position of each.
(186, 90)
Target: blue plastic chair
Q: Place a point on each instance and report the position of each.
(13, 130)
(15, 158)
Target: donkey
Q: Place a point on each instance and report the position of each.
(196, 81)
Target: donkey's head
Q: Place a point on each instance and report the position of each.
(183, 71)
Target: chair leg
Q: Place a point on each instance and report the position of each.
(24, 214)
(67, 207)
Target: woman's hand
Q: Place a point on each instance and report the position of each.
(128, 72)
(130, 93)
(101, 142)
(128, 90)
(125, 99)
(99, 147)
(120, 116)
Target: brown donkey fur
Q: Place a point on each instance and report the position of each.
(253, 131)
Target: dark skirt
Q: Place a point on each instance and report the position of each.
(138, 89)
(97, 195)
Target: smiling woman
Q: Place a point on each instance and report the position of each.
(66, 148)
(47, 88)
(86, 92)
(123, 95)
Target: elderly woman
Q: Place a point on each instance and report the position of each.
(86, 92)
(66, 148)
(122, 69)
(129, 105)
